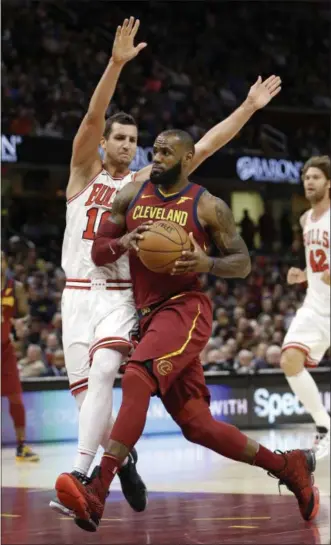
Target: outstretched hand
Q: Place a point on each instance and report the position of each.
(262, 92)
(124, 49)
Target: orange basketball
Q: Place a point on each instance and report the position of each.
(162, 245)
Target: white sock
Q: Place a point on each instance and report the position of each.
(305, 388)
(96, 410)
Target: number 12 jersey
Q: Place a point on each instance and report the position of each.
(316, 236)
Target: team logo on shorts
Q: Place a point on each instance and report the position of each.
(164, 368)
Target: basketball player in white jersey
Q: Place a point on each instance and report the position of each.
(308, 337)
(97, 304)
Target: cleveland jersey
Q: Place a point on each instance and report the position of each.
(85, 212)
(8, 310)
(316, 236)
(150, 204)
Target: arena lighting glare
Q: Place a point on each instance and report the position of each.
(263, 169)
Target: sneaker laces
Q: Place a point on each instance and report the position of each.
(319, 437)
(95, 483)
(84, 479)
(283, 482)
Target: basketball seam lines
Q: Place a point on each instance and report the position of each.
(178, 233)
(171, 240)
(158, 251)
(164, 265)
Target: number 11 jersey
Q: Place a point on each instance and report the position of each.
(85, 212)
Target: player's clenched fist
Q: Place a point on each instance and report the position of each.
(296, 276)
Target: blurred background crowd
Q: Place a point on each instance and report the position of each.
(189, 77)
(250, 317)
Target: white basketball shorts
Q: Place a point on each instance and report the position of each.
(93, 319)
(310, 333)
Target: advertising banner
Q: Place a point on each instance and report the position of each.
(278, 405)
(52, 414)
(45, 151)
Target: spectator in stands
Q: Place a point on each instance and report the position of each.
(52, 345)
(244, 362)
(267, 231)
(32, 365)
(272, 358)
(247, 230)
(286, 233)
(44, 92)
(56, 367)
(41, 304)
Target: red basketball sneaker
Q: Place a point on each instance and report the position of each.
(297, 476)
(85, 498)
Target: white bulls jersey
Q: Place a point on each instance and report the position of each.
(97, 302)
(316, 235)
(85, 211)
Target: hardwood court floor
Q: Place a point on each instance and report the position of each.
(196, 497)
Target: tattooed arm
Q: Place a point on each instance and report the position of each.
(217, 217)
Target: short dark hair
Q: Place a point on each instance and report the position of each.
(185, 138)
(120, 117)
(319, 161)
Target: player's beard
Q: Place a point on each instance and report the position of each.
(168, 177)
(318, 195)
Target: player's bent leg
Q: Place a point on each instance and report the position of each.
(76, 353)
(88, 501)
(292, 361)
(95, 408)
(305, 388)
(293, 468)
(17, 412)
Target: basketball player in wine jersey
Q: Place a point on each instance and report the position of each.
(97, 305)
(169, 365)
(13, 305)
(308, 337)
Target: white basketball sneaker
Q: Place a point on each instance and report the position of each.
(322, 444)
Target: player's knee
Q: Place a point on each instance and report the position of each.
(197, 429)
(192, 432)
(105, 365)
(194, 420)
(129, 380)
(136, 377)
(292, 361)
